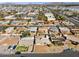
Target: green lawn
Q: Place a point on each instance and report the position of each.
(22, 48)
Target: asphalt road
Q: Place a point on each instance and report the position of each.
(65, 53)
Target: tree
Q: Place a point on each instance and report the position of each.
(28, 21)
(17, 52)
(41, 16)
(60, 18)
(25, 34)
(45, 18)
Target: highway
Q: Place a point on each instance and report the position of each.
(71, 19)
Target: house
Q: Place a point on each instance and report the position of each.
(26, 41)
(43, 30)
(28, 17)
(65, 30)
(32, 13)
(68, 23)
(32, 30)
(50, 16)
(19, 30)
(42, 40)
(10, 17)
(4, 22)
(9, 30)
(53, 30)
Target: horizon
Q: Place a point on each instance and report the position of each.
(38, 2)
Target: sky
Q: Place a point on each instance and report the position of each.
(33, 2)
(27, 2)
(38, 0)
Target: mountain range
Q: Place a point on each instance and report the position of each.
(52, 3)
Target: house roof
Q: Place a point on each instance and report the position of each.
(33, 28)
(50, 16)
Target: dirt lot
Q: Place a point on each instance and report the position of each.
(9, 41)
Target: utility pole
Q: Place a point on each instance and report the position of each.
(34, 42)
